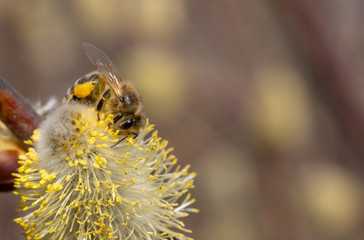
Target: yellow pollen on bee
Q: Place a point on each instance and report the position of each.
(83, 90)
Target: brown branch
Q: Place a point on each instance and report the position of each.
(8, 165)
(21, 119)
(16, 113)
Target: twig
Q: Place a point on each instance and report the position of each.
(21, 119)
(16, 113)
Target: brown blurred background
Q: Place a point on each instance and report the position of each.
(262, 97)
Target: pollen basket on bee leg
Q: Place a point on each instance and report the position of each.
(83, 90)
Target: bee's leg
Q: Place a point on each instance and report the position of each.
(135, 135)
(117, 117)
(100, 104)
(119, 141)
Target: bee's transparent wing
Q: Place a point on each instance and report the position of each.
(104, 65)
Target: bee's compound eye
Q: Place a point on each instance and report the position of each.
(128, 123)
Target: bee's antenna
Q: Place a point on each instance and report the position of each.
(135, 136)
(119, 141)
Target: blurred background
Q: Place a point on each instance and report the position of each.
(262, 97)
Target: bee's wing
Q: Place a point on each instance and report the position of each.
(104, 65)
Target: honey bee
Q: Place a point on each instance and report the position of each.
(109, 93)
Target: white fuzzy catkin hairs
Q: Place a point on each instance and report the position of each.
(73, 185)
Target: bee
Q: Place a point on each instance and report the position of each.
(109, 93)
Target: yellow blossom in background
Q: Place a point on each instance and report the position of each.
(74, 185)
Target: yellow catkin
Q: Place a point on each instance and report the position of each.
(96, 190)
